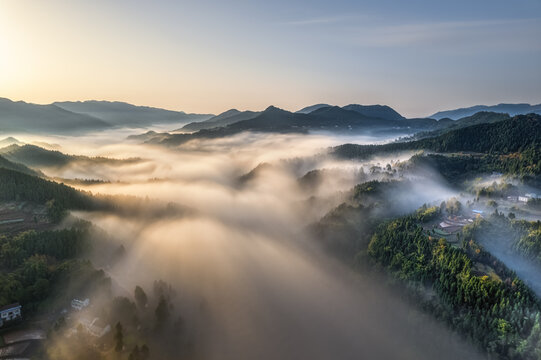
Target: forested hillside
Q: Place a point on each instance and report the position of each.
(6, 164)
(498, 313)
(33, 265)
(22, 187)
(517, 134)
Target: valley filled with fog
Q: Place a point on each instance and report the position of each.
(251, 282)
(319, 243)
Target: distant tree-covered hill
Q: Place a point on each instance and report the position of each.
(511, 109)
(481, 117)
(223, 119)
(35, 156)
(376, 111)
(17, 186)
(309, 109)
(371, 111)
(507, 136)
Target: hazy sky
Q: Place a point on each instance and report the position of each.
(418, 56)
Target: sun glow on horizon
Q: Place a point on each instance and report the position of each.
(208, 58)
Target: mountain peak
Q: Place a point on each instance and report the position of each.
(375, 111)
(272, 108)
(312, 108)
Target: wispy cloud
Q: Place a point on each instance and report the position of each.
(327, 20)
(367, 31)
(509, 33)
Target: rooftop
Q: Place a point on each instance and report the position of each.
(10, 306)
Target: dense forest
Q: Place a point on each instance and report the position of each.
(35, 265)
(456, 168)
(16, 186)
(6, 164)
(497, 312)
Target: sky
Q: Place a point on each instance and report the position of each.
(207, 56)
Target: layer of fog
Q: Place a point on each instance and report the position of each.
(526, 269)
(268, 291)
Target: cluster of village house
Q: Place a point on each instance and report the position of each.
(524, 198)
(12, 313)
(18, 342)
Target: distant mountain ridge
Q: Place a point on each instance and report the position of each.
(372, 111)
(20, 116)
(273, 119)
(82, 117)
(511, 109)
(123, 114)
(226, 118)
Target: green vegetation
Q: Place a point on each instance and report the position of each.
(481, 117)
(35, 156)
(502, 317)
(16, 186)
(529, 241)
(521, 236)
(6, 164)
(518, 134)
(34, 264)
(425, 213)
(496, 190)
(458, 167)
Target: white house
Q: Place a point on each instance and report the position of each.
(79, 304)
(95, 327)
(10, 312)
(527, 197)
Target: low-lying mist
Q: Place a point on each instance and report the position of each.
(251, 284)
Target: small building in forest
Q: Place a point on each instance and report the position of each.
(79, 304)
(10, 313)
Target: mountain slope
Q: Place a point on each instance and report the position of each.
(6, 164)
(507, 136)
(25, 117)
(511, 109)
(482, 117)
(35, 156)
(10, 141)
(223, 119)
(124, 114)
